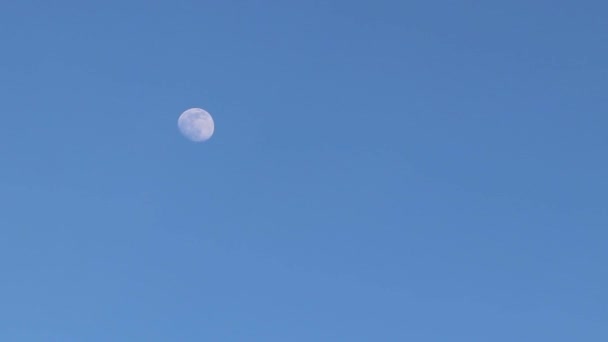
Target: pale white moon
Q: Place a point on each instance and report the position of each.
(196, 124)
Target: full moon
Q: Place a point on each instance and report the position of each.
(196, 124)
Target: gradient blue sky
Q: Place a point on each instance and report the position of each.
(380, 171)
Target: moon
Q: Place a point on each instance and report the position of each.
(196, 124)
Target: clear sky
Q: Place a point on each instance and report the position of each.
(380, 171)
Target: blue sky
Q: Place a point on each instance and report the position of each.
(380, 171)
